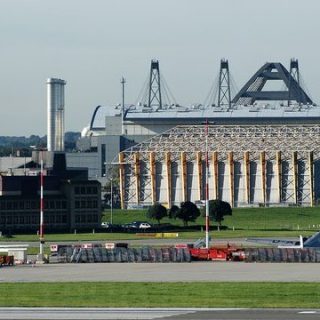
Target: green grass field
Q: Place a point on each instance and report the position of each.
(196, 294)
(245, 222)
(263, 219)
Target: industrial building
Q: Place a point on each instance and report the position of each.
(71, 201)
(113, 129)
(249, 165)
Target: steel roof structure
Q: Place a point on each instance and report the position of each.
(234, 138)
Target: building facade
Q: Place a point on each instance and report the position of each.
(71, 201)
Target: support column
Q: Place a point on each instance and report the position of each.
(231, 177)
(215, 175)
(246, 165)
(168, 167)
(137, 176)
(122, 177)
(199, 167)
(153, 177)
(295, 181)
(263, 176)
(279, 174)
(183, 164)
(310, 159)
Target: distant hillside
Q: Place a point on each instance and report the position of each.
(10, 145)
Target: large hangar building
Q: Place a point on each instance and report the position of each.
(249, 165)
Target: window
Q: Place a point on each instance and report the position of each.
(94, 204)
(83, 218)
(51, 204)
(77, 190)
(64, 218)
(58, 204)
(77, 204)
(21, 205)
(83, 190)
(83, 204)
(77, 218)
(64, 204)
(33, 205)
(22, 219)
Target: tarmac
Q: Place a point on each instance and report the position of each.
(158, 313)
(164, 272)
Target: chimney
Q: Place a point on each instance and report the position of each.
(55, 109)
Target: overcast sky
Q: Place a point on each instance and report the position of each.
(91, 44)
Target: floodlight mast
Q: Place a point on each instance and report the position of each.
(207, 187)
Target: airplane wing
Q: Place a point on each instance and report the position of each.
(274, 242)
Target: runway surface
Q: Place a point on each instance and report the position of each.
(145, 313)
(167, 272)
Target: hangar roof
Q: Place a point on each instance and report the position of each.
(235, 138)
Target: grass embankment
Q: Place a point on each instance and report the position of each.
(245, 222)
(218, 294)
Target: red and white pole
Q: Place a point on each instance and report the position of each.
(41, 235)
(207, 188)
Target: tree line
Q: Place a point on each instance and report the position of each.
(189, 212)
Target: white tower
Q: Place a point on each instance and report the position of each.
(55, 105)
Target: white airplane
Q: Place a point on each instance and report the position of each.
(302, 242)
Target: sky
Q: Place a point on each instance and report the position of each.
(93, 43)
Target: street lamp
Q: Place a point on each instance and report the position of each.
(111, 201)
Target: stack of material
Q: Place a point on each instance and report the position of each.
(122, 254)
(282, 255)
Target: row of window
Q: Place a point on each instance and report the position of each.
(32, 204)
(86, 204)
(83, 218)
(85, 190)
(32, 219)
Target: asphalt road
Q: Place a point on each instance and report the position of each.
(145, 313)
(167, 272)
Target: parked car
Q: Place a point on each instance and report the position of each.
(144, 225)
(136, 225)
(105, 225)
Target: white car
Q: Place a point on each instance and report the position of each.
(105, 224)
(144, 225)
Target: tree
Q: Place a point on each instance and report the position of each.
(173, 212)
(218, 209)
(157, 212)
(188, 212)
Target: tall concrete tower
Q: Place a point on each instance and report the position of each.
(55, 114)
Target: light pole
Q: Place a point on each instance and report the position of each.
(111, 201)
(207, 186)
